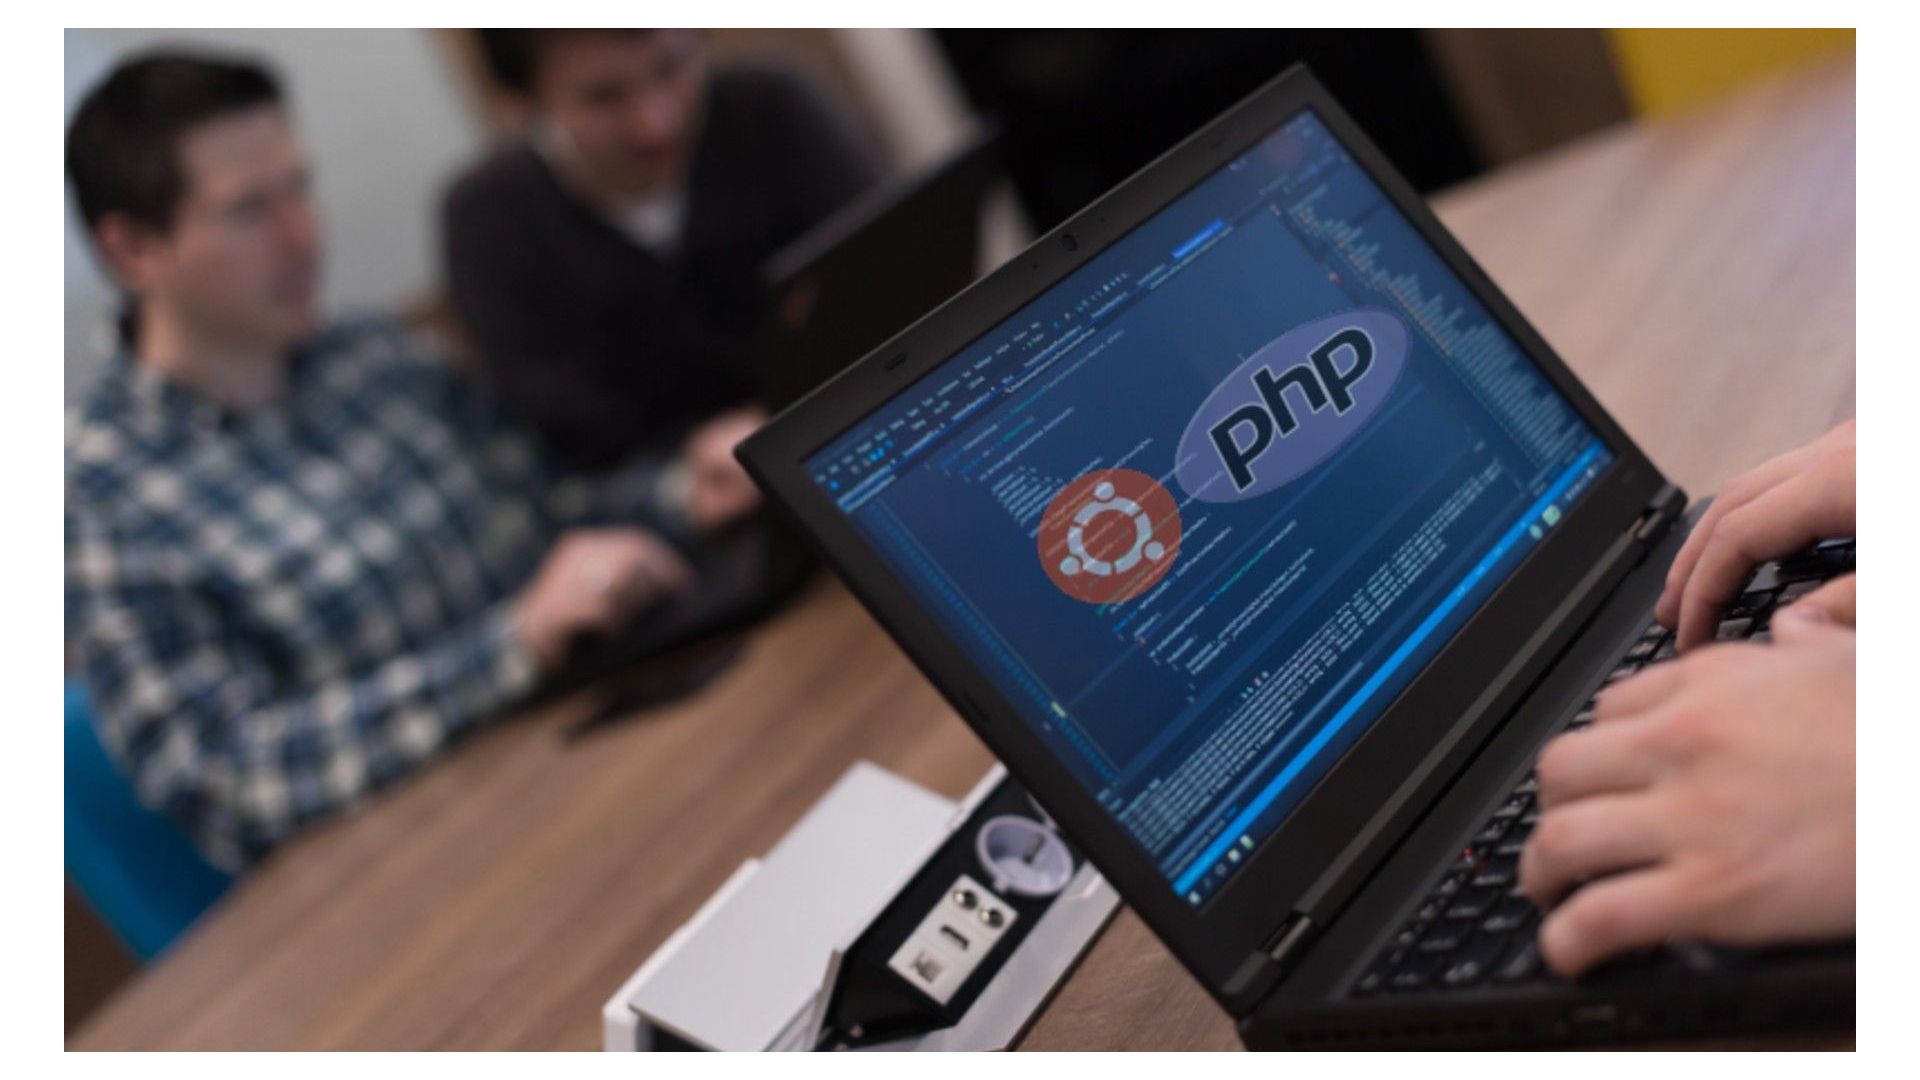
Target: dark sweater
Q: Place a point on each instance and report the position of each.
(599, 343)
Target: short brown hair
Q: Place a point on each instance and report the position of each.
(513, 56)
(123, 145)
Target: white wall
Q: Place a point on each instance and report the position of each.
(923, 114)
(387, 123)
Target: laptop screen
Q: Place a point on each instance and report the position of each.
(1204, 508)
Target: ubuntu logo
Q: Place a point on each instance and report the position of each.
(1109, 536)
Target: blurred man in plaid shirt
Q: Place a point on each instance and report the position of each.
(300, 558)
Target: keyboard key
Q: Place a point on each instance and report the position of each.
(1496, 874)
(1818, 564)
(1518, 832)
(1513, 807)
(1511, 916)
(1735, 629)
(1474, 962)
(1523, 964)
(1695, 957)
(1473, 904)
(1415, 974)
(1445, 936)
(1797, 590)
(1491, 834)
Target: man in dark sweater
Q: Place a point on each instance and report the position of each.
(608, 268)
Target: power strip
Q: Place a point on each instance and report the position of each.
(953, 939)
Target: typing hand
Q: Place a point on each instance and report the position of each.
(1712, 799)
(1832, 602)
(720, 489)
(1785, 504)
(591, 582)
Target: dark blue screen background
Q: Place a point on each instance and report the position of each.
(1200, 711)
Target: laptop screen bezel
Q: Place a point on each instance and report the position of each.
(1215, 939)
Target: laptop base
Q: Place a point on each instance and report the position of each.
(1807, 990)
(1661, 994)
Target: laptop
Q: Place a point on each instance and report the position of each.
(1265, 542)
(867, 271)
(846, 285)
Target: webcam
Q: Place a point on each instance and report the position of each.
(1070, 241)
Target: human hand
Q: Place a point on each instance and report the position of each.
(1833, 602)
(720, 490)
(591, 581)
(1712, 799)
(1785, 504)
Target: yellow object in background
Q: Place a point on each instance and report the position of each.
(1667, 70)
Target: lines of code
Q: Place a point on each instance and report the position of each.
(1270, 629)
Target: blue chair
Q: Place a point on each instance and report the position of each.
(137, 870)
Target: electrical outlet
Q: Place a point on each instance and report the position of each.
(953, 939)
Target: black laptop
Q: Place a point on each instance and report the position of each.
(866, 272)
(1265, 542)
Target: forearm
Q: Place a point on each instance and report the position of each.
(645, 490)
(243, 765)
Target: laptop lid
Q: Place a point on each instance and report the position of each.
(859, 277)
(1214, 509)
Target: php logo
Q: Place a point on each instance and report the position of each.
(1291, 404)
(1109, 535)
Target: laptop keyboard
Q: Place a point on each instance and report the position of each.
(1474, 927)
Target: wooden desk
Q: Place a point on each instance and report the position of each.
(1698, 274)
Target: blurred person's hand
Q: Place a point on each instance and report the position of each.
(719, 490)
(1796, 499)
(591, 582)
(1711, 800)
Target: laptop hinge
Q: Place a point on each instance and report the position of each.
(1267, 965)
(1660, 514)
(1287, 939)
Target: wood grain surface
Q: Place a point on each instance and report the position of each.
(1698, 274)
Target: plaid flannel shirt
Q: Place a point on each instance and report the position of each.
(278, 610)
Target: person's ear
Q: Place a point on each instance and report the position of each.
(132, 251)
